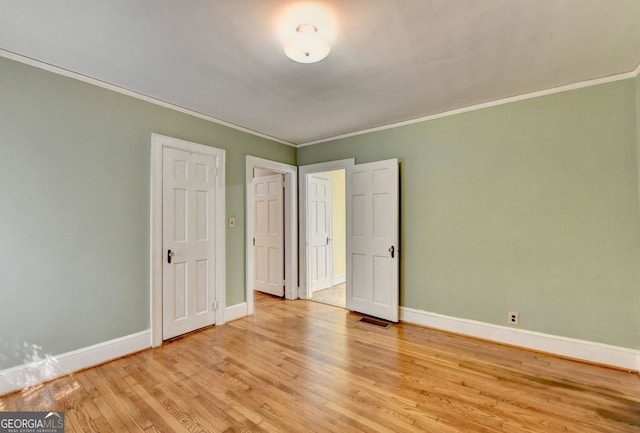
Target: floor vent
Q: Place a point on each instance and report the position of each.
(376, 322)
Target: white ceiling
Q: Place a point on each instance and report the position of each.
(390, 61)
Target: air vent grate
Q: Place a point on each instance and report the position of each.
(376, 322)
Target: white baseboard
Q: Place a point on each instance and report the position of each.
(339, 279)
(620, 357)
(53, 367)
(235, 312)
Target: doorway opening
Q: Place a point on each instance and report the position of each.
(323, 279)
(326, 215)
(372, 254)
(280, 271)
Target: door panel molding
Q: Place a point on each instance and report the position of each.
(156, 252)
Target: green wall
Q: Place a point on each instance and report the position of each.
(530, 206)
(74, 209)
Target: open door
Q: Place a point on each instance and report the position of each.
(269, 234)
(372, 239)
(320, 246)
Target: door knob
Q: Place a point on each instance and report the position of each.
(170, 254)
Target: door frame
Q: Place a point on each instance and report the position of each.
(304, 291)
(218, 220)
(290, 226)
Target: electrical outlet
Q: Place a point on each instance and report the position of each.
(514, 317)
(232, 223)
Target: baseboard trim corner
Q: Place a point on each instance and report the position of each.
(52, 367)
(598, 353)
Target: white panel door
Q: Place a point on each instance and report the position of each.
(372, 239)
(188, 211)
(269, 234)
(320, 246)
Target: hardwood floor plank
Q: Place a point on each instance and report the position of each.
(221, 407)
(167, 420)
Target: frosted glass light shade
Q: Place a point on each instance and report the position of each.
(306, 45)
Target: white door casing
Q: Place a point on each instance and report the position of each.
(372, 239)
(269, 234)
(320, 245)
(207, 221)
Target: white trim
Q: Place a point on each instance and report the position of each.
(304, 290)
(158, 143)
(235, 312)
(339, 279)
(53, 367)
(290, 222)
(488, 104)
(105, 85)
(590, 351)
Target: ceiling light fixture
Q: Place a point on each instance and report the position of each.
(306, 45)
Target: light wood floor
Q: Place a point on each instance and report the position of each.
(300, 366)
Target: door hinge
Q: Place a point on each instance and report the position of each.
(215, 305)
(254, 242)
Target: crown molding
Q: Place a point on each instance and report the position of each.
(109, 86)
(551, 91)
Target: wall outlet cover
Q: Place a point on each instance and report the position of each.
(514, 317)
